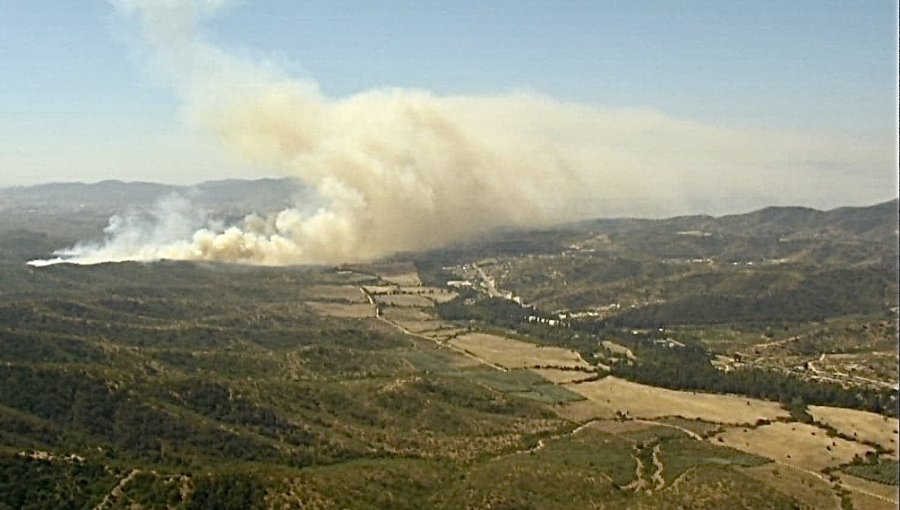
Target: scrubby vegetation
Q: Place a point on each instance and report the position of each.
(181, 385)
(875, 468)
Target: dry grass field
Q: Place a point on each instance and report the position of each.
(861, 425)
(406, 314)
(557, 376)
(349, 293)
(612, 394)
(380, 289)
(858, 485)
(352, 311)
(807, 488)
(797, 444)
(410, 279)
(699, 427)
(511, 353)
(866, 502)
(584, 410)
(618, 349)
(440, 297)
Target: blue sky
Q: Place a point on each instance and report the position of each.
(77, 104)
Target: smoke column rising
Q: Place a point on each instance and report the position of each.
(406, 169)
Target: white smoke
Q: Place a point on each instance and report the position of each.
(406, 169)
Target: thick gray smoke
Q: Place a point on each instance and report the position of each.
(406, 169)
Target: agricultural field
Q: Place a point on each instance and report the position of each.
(511, 353)
(870, 502)
(867, 427)
(402, 300)
(379, 385)
(337, 293)
(872, 494)
(611, 395)
(343, 310)
(560, 376)
(796, 444)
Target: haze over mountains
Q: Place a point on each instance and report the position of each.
(79, 211)
(114, 196)
(259, 195)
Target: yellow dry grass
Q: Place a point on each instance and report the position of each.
(557, 376)
(511, 353)
(405, 279)
(807, 488)
(336, 293)
(797, 444)
(612, 394)
(860, 425)
(353, 311)
(866, 502)
(380, 289)
(617, 349)
(856, 484)
(583, 410)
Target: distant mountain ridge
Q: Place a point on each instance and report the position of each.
(115, 196)
(877, 219)
(284, 191)
(235, 198)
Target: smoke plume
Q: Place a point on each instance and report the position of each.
(407, 169)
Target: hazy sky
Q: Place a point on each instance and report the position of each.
(77, 103)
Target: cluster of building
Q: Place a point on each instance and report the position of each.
(544, 320)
